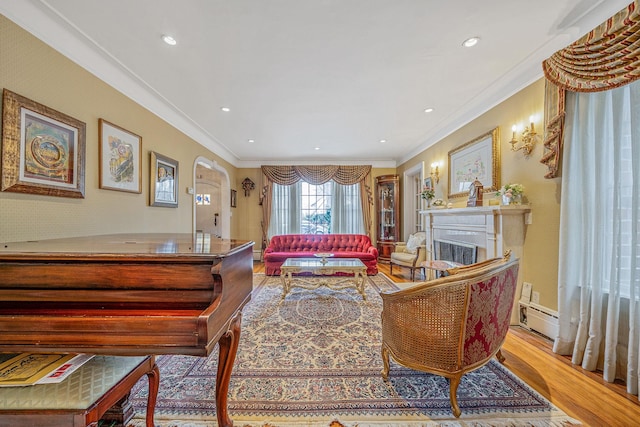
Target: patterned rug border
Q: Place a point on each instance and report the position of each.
(392, 412)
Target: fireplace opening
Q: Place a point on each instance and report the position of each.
(455, 251)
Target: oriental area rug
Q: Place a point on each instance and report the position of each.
(313, 359)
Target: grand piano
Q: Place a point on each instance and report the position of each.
(126, 295)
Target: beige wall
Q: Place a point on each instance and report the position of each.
(34, 70)
(540, 263)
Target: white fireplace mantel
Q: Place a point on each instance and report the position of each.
(492, 229)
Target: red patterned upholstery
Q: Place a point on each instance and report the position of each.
(286, 246)
(452, 325)
(488, 316)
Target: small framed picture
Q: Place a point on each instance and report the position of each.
(43, 150)
(120, 154)
(428, 183)
(164, 181)
(234, 195)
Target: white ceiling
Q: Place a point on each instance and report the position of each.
(340, 75)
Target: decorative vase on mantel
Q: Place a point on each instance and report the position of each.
(516, 199)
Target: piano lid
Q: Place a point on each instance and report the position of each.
(142, 244)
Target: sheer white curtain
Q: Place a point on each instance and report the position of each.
(285, 210)
(599, 277)
(346, 209)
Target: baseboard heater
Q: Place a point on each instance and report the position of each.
(539, 319)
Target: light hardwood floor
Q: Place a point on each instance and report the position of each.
(583, 395)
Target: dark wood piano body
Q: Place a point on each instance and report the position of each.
(126, 294)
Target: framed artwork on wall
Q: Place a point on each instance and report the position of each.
(120, 158)
(164, 181)
(428, 183)
(43, 150)
(234, 196)
(477, 159)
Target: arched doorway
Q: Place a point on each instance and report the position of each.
(212, 201)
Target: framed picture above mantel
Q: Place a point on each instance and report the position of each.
(478, 159)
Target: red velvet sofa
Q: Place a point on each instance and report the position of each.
(305, 245)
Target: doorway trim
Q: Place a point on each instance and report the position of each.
(410, 205)
(225, 195)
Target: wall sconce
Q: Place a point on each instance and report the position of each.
(528, 139)
(435, 172)
(247, 186)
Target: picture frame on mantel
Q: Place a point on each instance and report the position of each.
(43, 150)
(164, 181)
(477, 159)
(120, 158)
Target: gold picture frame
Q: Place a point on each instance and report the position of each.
(477, 159)
(164, 181)
(43, 150)
(120, 158)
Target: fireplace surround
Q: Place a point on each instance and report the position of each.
(491, 229)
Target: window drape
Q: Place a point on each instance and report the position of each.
(315, 174)
(346, 210)
(285, 217)
(346, 215)
(605, 58)
(599, 264)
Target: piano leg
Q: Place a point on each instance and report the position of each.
(228, 346)
(154, 384)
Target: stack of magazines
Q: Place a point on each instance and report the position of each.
(24, 369)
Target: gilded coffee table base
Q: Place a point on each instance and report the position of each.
(318, 268)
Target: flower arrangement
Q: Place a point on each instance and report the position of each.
(428, 193)
(511, 193)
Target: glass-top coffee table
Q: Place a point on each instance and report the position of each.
(323, 267)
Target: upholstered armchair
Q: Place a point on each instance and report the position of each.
(410, 254)
(451, 325)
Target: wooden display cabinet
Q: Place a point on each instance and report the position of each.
(387, 215)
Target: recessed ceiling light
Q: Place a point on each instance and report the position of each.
(317, 148)
(225, 109)
(251, 141)
(382, 141)
(428, 110)
(169, 40)
(471, 41)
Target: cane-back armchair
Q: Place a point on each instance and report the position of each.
(451, 325)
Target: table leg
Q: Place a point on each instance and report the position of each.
(285, 278)
(359, 278)
(228, 345)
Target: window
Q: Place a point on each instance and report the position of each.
(316, 209)
(203, 199)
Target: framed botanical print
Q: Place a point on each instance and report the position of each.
(478, 159)
(120, 158)
(43, 150)
(164, 181)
